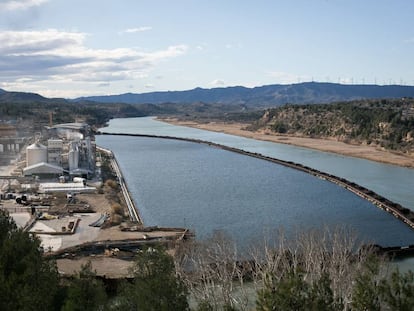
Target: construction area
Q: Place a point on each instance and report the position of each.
(62, 188)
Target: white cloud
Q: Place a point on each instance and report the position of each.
(31, 42)
(137, 29)
(62, 57)
(14, 5)
(217, 82)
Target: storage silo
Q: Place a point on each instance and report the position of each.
(73, 157)
(36, 153)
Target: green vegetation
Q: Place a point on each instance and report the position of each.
(27, 281)
(36, 114)
(385, 123)
(155, 285)
(85, 292)
(279, 127)
(292, 292)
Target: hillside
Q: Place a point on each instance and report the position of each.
(385, 123)
(31, 110)
(21, 97)
(264, 96)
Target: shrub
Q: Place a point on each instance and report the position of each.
(111, 184)
(117, 209)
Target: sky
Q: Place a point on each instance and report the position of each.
(73, 48)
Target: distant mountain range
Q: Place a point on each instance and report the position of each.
(260, 97)
(263, 96)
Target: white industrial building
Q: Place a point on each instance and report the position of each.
(55, 151)
(37, 161)
(69, 150)
(43, 169)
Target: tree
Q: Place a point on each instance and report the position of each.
(155, 285)
(85, 292)
(365, 294)
(287, 293)
(322, 297)
(27, 280)
(279, 127)
(398, 291)
(292, 292)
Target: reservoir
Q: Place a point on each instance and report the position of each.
(177, 183)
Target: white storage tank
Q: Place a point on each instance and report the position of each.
(36, 153)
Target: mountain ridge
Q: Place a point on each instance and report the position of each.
(256, 97)
(262, 96)
(26, 97)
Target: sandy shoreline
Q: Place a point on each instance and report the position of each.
(358, 151)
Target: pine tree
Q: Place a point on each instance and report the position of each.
(85, 292)
(155, 285)
(27, 280)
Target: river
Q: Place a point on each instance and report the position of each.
(177, 183)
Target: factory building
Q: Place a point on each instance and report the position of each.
(37, 162)
(69, 150)
(55, 151)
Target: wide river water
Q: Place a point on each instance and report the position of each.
(177, 183)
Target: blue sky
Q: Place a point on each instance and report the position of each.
(71, 48)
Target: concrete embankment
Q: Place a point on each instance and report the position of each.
(132, 209)
(395, 209)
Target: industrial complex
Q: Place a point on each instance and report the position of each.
(68, 151)
(42, 176)
(61, 187)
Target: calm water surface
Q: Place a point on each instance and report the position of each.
(186, 184)
(393, 182)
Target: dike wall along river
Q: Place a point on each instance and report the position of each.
(132, 209)
(402, 213)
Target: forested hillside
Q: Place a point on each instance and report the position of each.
(32, 111)
(386, 123)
